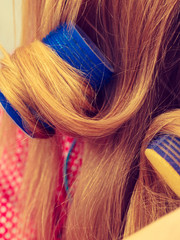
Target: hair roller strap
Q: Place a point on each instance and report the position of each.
(77, 49)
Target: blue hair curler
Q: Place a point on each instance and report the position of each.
(163, 153)
(77, 49)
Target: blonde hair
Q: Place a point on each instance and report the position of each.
(118, 192)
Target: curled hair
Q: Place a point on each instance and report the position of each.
(117, 191)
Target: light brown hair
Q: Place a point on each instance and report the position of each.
(118, 192)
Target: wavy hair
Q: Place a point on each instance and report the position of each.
(117, 192)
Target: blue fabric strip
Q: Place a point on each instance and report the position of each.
(65, 176)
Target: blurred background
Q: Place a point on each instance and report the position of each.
(10, 23)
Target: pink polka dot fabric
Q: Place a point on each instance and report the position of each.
(11, 173)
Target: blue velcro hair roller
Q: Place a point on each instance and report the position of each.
(163, 153)
(76, 48)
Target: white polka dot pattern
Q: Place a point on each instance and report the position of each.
(11, 172)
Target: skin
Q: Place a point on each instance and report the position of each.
(165, 228)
